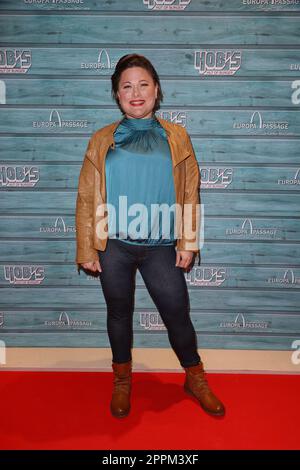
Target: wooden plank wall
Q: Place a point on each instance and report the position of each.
(230, 73)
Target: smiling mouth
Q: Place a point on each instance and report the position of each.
(137, 103)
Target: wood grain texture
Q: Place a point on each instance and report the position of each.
(166, 29)
(214, 122)
(245, 130)
(133, 6)
(255, 150)
(92, 61)
(180, 93)
(242, 204)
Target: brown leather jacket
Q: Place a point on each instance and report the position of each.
(91, 213)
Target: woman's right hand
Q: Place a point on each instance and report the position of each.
(93, 266)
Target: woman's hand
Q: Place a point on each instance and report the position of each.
(184, 258)
(93, 266)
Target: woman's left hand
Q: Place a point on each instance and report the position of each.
(184, 258)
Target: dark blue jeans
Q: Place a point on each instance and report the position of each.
(167, 287)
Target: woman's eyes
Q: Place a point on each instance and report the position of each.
(143, 84)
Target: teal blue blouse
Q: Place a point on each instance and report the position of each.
(140, 167)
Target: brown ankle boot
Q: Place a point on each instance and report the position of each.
(120, 402)
(197, 386)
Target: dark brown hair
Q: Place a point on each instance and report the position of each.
(134, 60)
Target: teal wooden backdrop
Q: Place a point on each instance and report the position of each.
(230, 73)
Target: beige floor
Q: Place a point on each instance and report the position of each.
(147, 360)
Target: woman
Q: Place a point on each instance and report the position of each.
(144, 161)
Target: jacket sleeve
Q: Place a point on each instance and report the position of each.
(191, 205)
(84, 215)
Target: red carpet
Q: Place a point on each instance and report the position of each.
(70, 410)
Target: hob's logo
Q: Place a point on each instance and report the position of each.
(208, 276)
(176, 117)
(218, 62)
(19, 274)
(166, 4)
(216, 177)
(14, 61)
(19, 176)
(151, 321)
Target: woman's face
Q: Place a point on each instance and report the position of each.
(137, 92)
